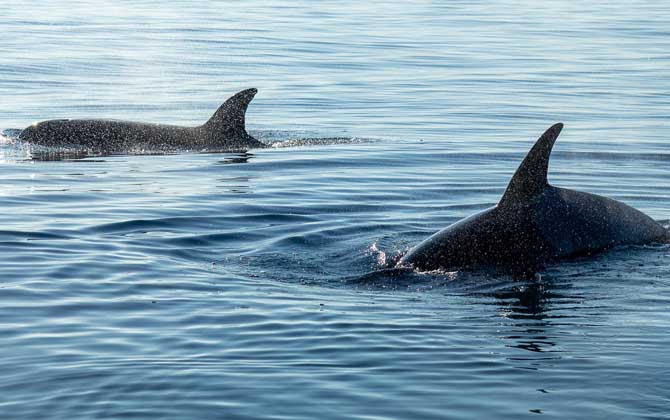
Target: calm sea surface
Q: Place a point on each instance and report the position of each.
(248, 286)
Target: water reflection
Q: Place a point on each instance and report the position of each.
(527, 303)
(235, 185)
(242, 157)
(21, 152)
(524, 301)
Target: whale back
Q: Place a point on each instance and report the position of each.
(225, 130)
(535, 222)
(573, 222)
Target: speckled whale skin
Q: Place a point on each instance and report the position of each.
(225, 130)
(535, 222)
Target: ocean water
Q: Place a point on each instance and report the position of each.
(249, 286)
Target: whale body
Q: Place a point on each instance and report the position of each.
(225, 130)
(535, 223)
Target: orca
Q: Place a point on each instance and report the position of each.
(534, 223)
(225, 131)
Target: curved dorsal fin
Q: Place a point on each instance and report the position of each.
(230, 115)
(530, 179)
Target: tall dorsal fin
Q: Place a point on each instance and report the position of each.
(530, 179)
(230, 116)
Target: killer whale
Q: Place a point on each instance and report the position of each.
(534, 223)
(224, 131)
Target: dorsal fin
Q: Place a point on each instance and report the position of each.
(230, 116)
(530, 179)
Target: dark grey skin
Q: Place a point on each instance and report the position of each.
(225, 131)
(535, 223)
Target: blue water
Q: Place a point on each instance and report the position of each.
(248, 286)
